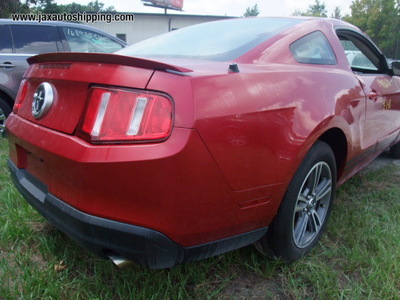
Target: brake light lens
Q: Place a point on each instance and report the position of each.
(116, 115)
(23, 89)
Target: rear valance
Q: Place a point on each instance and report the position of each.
(106, 58)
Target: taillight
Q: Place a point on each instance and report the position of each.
(23, 89)
(116, 115)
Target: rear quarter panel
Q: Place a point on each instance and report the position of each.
(260, 123)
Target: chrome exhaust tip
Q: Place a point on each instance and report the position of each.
(120, 262)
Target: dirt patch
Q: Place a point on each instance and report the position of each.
(248, 285)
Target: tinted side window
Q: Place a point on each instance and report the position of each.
(34, 39)
(83, 40)
(361, 54)
(356, 57)
(313, 48)
(5, 39)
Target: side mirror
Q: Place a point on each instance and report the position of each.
(396, 68)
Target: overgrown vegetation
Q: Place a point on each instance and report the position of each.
(358, 258)
(380, 19)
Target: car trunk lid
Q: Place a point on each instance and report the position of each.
(71, 75)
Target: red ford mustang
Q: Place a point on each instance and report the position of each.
(203, 140)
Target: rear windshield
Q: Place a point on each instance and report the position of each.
(220, 40)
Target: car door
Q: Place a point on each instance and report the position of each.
(12, 66)
(382, 90)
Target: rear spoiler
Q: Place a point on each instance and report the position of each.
(106, 58)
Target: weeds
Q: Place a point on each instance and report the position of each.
(358, 258)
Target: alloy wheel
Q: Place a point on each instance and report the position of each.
(312, 205)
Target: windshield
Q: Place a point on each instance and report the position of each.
(220, 40)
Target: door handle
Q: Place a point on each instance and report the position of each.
(7, 65)
(373, 95)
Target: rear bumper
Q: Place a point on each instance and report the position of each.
(104, 237)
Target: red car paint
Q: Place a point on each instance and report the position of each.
(236, 141)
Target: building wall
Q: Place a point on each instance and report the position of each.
(149, 25)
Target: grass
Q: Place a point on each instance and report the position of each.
(358, 258)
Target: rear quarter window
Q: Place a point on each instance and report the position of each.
(83, 40)
(35, 39)
(313, 48)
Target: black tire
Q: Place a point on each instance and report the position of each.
(305, 208)
(5, 110)
(395, 151)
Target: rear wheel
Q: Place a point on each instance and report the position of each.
(5, 110)
(305, 208)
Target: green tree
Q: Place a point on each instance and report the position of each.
(49, 6)
(44, 6)
(96, 6)
(298, 13)
(317, 9)
(8, 7)
(380, 20)
(337, 14)
(252, 11)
